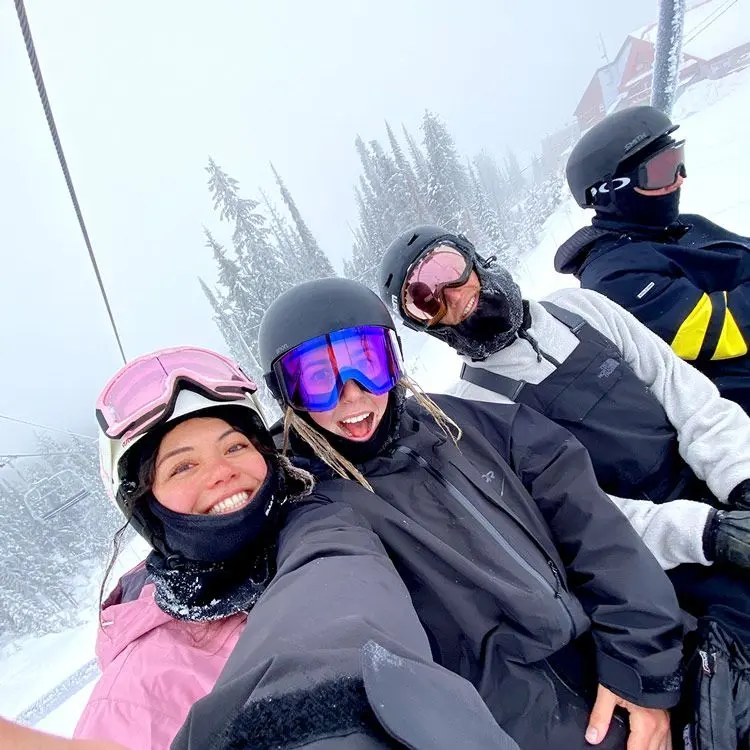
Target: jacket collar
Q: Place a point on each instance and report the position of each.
(670, 233)
(122, 622)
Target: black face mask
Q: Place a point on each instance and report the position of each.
(494, 323)
(213, 539)
(645, 210)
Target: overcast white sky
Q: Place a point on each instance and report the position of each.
(143, 92)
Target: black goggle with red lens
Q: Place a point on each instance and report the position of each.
(660, 170)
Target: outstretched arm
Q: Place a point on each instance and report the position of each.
(22, 738)
(334, 649)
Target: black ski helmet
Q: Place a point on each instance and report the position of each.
(403, 252)
(312, 309)
(619, 136)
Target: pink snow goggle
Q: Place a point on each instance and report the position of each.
(440, 268)
(144, 391)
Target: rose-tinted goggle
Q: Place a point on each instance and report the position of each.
(144, 392)
(440, 268)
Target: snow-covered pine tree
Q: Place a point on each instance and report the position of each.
(288, 241)
(368, 239)
(364, 263)
(53, 539)
(394, 197)
(236, 296)
(520, 215)
(312, 258)
(375, 190)
(491, 239)
(225, 320)
(413, 210)
(447, 188)
(263, 272)
(493, 180)
(421, 169)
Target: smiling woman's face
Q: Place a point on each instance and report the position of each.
(205, 466)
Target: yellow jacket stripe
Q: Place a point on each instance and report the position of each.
(688, 340)
(731, 343)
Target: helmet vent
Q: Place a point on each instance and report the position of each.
(388, 281)
(413, 238)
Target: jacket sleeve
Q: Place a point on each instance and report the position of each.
(692, 322)
(713, 432)
(630, 601)
(673, 532)
(333, 649)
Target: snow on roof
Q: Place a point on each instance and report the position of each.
(712, 27)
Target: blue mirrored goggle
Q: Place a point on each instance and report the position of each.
(313, 374)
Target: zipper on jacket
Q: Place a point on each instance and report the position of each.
(495, 534)
(560, 587)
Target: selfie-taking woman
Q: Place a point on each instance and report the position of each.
(529, 583)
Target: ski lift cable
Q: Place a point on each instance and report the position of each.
(720, 11)
(12, 456)
(46, 427)
(31, 50)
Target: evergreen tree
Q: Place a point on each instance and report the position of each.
(493, 180)
(409, 191)
(263, 272)
(514, 174)
(271, 256)
(313, 258)
(420, 162)
(55, 532)
(490, 238)
(289, 243)
(447, 186)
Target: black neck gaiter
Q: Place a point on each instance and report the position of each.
(217, 538)
(645, 210)
(210, 567)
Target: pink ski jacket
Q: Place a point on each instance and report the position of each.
(153, 669)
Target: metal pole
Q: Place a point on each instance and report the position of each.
(668, 54)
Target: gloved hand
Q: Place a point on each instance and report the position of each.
(739, 497)
(727, 537)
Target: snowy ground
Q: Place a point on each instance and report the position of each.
(32, 668)
(714, 117)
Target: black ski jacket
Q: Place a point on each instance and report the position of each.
(333, 656)
(689, 283)
(511, 554)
